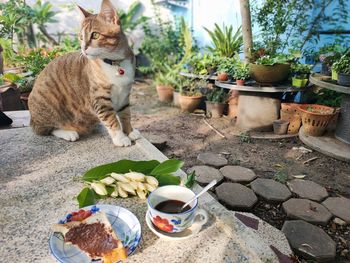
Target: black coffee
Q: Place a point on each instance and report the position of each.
(172, 206)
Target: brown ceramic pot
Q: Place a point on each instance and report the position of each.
(222, 76)
(189, 103)
(240, 82)
(269, 74)
(165, 93)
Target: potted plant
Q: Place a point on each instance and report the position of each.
(190, 96)
(342, 67)
(226, 69)
(203, 64)
(300, 74)
(271, 69)
(164, 85)
(315, 118)
(241, 73)
(216, 102)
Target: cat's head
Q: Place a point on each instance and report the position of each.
(100, 34)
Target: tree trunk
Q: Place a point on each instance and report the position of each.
(47, 35)
(1, 61)
(246, 29)
(31, 36)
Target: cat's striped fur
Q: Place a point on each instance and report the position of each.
(78, 90)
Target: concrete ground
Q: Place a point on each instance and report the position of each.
(39, 182)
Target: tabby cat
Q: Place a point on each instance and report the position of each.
(78, 90)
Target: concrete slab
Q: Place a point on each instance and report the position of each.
(307, 210)
(39, 179)
(307, 189)
(238, 174)
(206, 174)
(271, 190)
(309, 241)
(328, 145)
(236, 196)
(212, 159)
(339, 206)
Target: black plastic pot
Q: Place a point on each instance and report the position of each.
(344, 79)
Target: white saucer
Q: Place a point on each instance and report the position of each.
(189, 232)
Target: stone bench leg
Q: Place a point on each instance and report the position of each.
(257, 111)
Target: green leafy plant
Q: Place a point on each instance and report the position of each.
(227, 65)
(190, 180)
(301, 71)
(245, 137)
(129, 19)
(95, 189)
(270, 60)
(328, 97)
(242, 71)
(281, 177)
(343, 64)
(192, 87)
(225, 43)
(285, 24)
(203, 64)
(169, 43)
(217, 95)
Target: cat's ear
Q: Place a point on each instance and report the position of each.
(84, 12)
(109, 13)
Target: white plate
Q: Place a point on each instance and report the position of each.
(124, 223)
(187, 233)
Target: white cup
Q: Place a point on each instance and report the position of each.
(174, 223)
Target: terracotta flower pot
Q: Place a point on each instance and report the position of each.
(189, 103)
(214, 109)
(165, 93)
(269, 74)
(315, 118)
(222, 76)
(240, 82)
(24, 98)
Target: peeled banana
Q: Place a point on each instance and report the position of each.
(131, 183)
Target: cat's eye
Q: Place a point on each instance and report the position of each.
(95, 35)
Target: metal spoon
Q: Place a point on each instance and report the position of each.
(205, 189)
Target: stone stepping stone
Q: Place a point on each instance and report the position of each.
(307, 189)
(339, 206)
(212, 159)
(206, 174)
(307, 210)
(271, 190)
(236, 196)
(309, 241)
(238, 174)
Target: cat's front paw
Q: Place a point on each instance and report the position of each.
(134, 135)
(121, 140)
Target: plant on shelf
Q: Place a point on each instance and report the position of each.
(225, 43)
(272, 68)
(300, 74)
(342, 67)
(242, 73)
(203, 64)
(226, 68)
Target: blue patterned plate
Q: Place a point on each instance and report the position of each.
(125, 224)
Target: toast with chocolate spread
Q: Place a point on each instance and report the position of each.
(95, 236)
